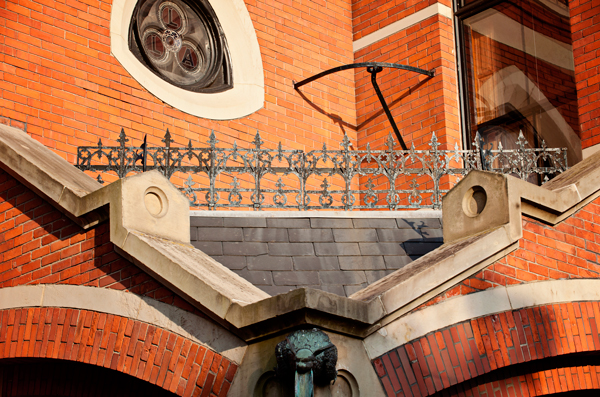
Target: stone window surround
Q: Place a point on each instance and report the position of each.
(247, 94)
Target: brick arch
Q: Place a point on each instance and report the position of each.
(46, 377)
(471, 349)
(144, 351)
(553, 382)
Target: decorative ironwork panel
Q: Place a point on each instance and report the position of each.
(341, 179)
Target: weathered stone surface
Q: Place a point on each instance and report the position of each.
(381, 249)
(290, 223)
(209, 247)
(244, 222)
(398, 235)
(342, 223)
(310, 235)
(375, 223)
(206, 221)
(291, 249)
(342, 277)
(219, 234)
(303, 263)
(295, 278)
(336, 249)
(267, 262)
(361, 262)
(265, 234)
(354, 235)
(246, 249)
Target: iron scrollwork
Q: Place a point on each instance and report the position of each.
(339, 179)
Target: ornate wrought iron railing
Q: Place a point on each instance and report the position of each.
(345, 179)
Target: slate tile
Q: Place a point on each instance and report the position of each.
(374, 275)
(351, 289)
(206, 221)
(256, 277)
(265, 235)
(375, 223)
(336, 249)
(289, 223)
(295, 278)
(244, 222)
(397, 261)
(342, 223)
(361, 262)
(209, 247)
(244, 249)
(291, 249)
(381, 249)
(231, 262)
(354, 235)
(398, 235)
(316, 263)
(266, 262)
(420, 248)
(310, 235)
(219, 234)
(341, 277)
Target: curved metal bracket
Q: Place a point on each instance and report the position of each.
(373, 68)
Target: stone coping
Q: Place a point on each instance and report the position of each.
(143, 233)
(400, 214)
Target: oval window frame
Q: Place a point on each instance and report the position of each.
(247, 95)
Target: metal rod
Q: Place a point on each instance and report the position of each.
(429, 73)
(374, 70)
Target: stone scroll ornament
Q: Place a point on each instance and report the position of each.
(308, 357)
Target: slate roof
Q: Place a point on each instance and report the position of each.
(340, 254)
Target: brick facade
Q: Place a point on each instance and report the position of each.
(585, 27)
(462, 354)
(128, 346)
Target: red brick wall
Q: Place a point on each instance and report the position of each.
(40, 245)
(58, 77)
(463, 354)
(585, 27)
(568, 250)
(128, 346)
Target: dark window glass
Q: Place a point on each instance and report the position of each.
(182, 43)
(518, 75)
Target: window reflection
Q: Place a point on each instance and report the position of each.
(520, 75)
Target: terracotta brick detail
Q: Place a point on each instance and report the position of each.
(474, 348)
(125, 345)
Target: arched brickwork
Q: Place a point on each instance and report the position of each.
(539, 383)
(474, 348)
(142, 350)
